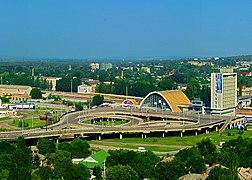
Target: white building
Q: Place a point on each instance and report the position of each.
(85, 89)
(224, 92)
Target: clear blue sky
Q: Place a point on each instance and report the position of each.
(125, 28)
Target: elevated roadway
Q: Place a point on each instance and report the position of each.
(142, 122)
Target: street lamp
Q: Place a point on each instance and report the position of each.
(72, 84)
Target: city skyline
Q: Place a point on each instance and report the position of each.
(98, 29)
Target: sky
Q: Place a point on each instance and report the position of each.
(124, 28)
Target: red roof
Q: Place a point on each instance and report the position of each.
(244, 73)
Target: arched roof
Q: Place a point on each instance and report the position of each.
(173, 98)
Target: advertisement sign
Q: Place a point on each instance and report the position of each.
(219, 83)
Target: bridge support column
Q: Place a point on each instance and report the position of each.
(142, 136)
(57, 141)
(181, 134)
(121, 136)
(163, 135)
(216, 128)
(196, 133)
(99, 138)
(145, 136)
(207, 131)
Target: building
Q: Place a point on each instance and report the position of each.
(224, 92)
(52, 81)
(97, 159)
(105, 66)
(14, 89)
(16, 92)
(83, 89)
(174, 100)
(94, 66)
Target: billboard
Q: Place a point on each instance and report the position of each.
(219, 83)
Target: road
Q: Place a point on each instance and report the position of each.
(70, 124)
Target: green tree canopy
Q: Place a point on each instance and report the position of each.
(218, 173)
(192, 160)
(207, 150)
(80, 148)
(121, 172)
(36, 93)
(97, 100)
(21, 163)
(169, 170)
(46, 146)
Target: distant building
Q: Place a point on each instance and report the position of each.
(83, 89)
(14, 89)
(94, 66)
(244, 73)
(105, 66)
(224, 92)
(52, 81)
(146, 69)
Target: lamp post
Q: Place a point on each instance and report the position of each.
(72, 84)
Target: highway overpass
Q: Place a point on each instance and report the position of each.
(142, 123)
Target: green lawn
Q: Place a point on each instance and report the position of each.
(185, 140)
(106, 123)
(135, 147)
(5, 118)
(35, 121)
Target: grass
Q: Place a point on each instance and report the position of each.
(135, 147)
(5, 118)
(215, 137)
(4, 129)
(35, 121)
(106, 123)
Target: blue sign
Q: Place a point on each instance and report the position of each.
(219, 83)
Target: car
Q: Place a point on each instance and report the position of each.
(141, 149)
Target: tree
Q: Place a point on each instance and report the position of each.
(121, 172)
(207, 150)
(64, 168)
(218, 173)
(228, 159)
(80, 148)
(97, 172)
(80, 172)
(36, 161)
(192, 90)
(65, 146)
(21, 163)
(44, 172)
(46, 146)
(4, 174)
(36, 93)
(192, 160)
(167, 84)
(97, 100)
(142, 163)
(169, 170)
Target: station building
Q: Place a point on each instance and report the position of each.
(174, 100)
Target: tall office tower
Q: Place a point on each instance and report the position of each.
(224, 92)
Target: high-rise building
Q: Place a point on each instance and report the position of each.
(224, 92)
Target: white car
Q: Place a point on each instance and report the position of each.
(141, 149)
